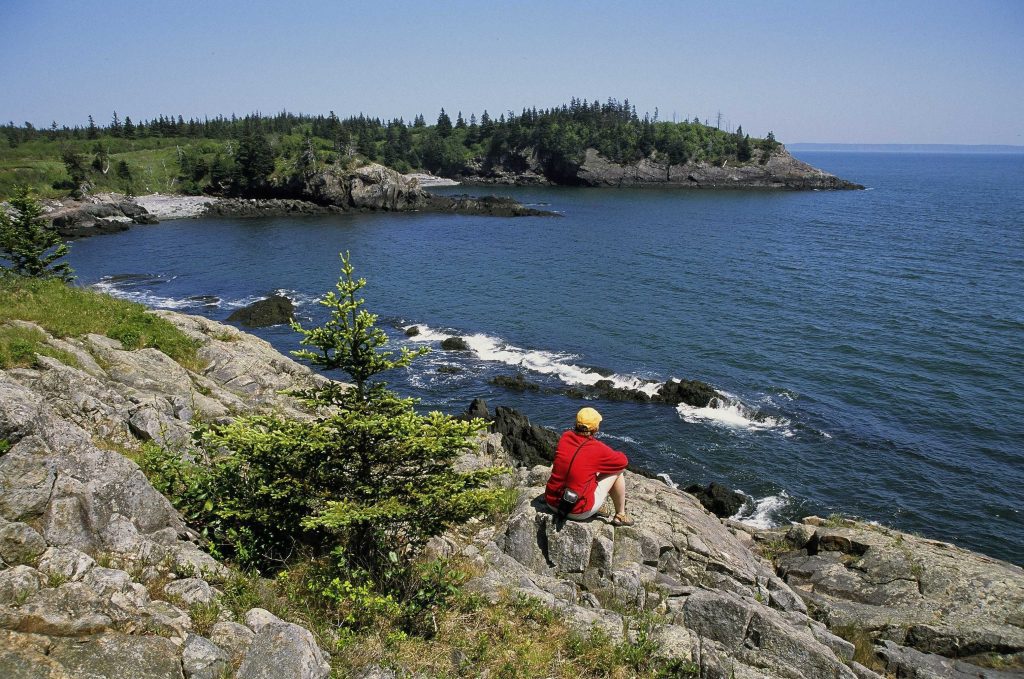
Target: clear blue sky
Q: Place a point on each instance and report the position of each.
(839, 71)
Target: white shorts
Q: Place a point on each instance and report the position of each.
(604, 485)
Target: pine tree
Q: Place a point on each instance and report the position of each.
(27, 244)
(444, 124)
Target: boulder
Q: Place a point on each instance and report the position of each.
(518, 383)
(717, 499)
(233, 638)
(454, 344)
(190, 591)
(18, 584)
(283, 650)
(113, 655)
(202, 659)
(527, 444)
(690, 392)
(20, 544)
(274, 310)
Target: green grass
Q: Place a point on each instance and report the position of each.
(19, 347)
(68, 311)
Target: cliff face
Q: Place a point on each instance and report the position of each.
(70, 501)
(779, 171)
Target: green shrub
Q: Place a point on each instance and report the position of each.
(368, 483)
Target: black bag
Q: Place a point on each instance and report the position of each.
(566, 502)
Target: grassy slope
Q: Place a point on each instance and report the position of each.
(67, 311)
(153, 160)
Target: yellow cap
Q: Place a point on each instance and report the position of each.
(589, 418)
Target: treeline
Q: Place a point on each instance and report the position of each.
(241, 152)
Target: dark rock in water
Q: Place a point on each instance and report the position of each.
(205, 300)
(454, 344)
(274, 310)
(529, 444)
(721, 501)
(492, 206)
(690, 392)
(517, 383)
(449, 369)
(607, 391)
(478, 409)
(412, 331)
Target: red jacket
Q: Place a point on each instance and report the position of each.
(594, 458)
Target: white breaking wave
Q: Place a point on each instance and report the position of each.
(149, 299)
(765, 511)
(487, 348)
(732, 414)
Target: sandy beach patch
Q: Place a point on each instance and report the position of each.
(174, 207)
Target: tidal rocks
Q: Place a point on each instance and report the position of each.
(691, 392)
(267, 207)
(516, 383)
(274, 310)
(491, 206)
(673, 392)
(93, 215)
(721, 501)
(454, 344)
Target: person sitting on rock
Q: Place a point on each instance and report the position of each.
(591, 468)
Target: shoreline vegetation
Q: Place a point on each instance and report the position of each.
(111, 506)
(324, 163)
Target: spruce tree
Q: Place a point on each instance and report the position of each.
(366, 482)
(27, 244)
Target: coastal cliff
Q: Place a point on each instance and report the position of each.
(776, 170)
(101, 576)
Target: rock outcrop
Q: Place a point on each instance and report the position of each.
(907, 591)
(780, 170)
(95, 214)
(274, 310)
(97, 570)
(375, 187)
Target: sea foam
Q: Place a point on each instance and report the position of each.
(556, 364)
(764, 513)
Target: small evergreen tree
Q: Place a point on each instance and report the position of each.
(27, 244)
(124, 174)
(444, 124)
(367, 482)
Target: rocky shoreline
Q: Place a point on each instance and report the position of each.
(370, 188)
(777, 171)
(100, 575)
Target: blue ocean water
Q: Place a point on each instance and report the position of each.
(871, 342)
